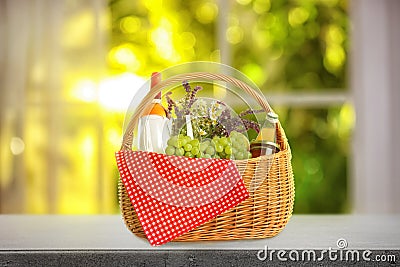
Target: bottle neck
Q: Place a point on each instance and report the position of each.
(272, 117)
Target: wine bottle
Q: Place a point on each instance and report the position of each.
(266, 141)
(152, 125)
(268, 130)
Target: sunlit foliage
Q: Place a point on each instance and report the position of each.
(71, 124)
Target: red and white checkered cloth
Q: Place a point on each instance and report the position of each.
(173, 195)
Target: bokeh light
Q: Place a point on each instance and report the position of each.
(298, 16)
(206, 12)
(130, 24)
(17, 146)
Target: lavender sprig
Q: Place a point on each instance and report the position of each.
(172, 104)
(234, 124)
(251, 124)
(188, 89)
(186, 85)
(221, 103)
(189, 98)
(238, 124)
(225, 115)
(250, 111)
(193, 96)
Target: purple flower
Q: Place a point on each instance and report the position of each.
(186, 85)
(192, 97)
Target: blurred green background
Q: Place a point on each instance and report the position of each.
(295, 51)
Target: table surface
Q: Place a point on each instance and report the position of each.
(108, 232)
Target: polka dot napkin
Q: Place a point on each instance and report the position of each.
(173, 195)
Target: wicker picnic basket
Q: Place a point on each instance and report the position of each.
(269, 180)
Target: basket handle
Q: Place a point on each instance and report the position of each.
(128, 135)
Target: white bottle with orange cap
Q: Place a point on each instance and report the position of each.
(152, 129)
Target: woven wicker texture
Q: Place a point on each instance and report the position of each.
(269, 180)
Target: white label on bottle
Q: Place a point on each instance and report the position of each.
(151, 133)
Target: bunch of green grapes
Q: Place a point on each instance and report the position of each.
(240, 145)
(207, 149)
(180, 145)
(235, 146)
(217, 147)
